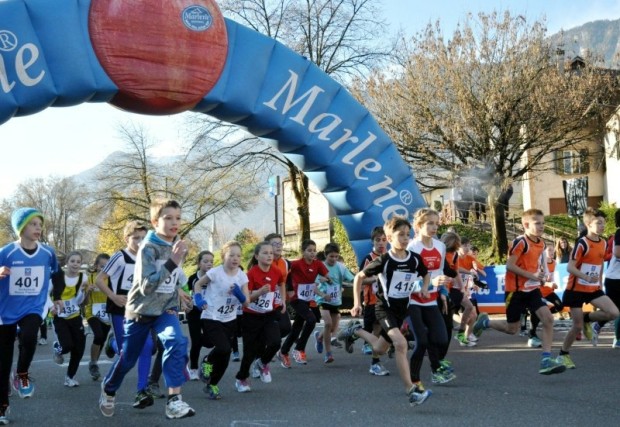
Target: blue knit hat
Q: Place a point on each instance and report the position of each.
(22, 216)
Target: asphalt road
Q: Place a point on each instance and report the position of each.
(498, 385)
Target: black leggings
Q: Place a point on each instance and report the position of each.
(302, 328)
(70, 333)
(430, 335)
(221, 335)
(29, 328)
(195, 334)
(261, 338)
(447, 319)
(100, 330)
(284, 321)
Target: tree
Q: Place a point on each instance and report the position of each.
(339, 36)
(131, 181)
(490, 102)
(247, 237)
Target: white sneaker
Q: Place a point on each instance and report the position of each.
(254, 369)
(176, 408)
(377, 369)
(193, 375)
(472, 338)
(264, 373)
(242, 386)
(616, 343)
(106, 402)
(42, 341)
(70, 382)
(534, 342)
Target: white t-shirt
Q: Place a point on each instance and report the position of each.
(222, 305)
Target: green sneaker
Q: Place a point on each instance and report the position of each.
(565, 360)
(481, 324)
(550, 366)
(206, 369)
(587, 331)
(213, 392)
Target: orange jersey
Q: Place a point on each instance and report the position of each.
(530, 256)
(547, 290)
(453, 262)
(370, 289)
(468, 262)
(281, 265)
(589, 257)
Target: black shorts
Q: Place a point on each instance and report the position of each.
(333, 309)
(456, 298)
(517, 302)
(576, 299)
(390, 317)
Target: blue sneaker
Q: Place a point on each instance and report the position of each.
(417, 395)
(23, 385)
(318, 342)
(367, 349)
(57, 350)
(481, 324)
(213, 392)
(550, 366)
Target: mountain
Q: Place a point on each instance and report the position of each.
(596, 37)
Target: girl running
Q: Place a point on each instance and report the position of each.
(96, 315)
(218, 293)
(68, 294)
(259, 323)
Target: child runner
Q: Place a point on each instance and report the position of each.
(204, 262)
(399, 272)
(585, 270)
(612, 282)
(261, 331)
(548, 295)
(525, 273)
(68, 294)
(25, 270)
(371, 284)
(218, 293)
(300, 291)
(283, 265)
(470, 269)
(427, 323)
(329, 298)
(96, 315)
(119, 273)
(153, 303)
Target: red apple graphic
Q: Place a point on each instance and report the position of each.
(164, 55)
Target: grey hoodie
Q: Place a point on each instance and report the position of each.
(156, 280)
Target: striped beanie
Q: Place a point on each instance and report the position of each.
(21, 217)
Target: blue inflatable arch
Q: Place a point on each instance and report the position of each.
(47, 59)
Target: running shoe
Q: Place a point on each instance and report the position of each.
(378, 370)
(106, 402)
(328, 358)
(23, 384)
(367, 349)
(107, 348)
(193, 374)
(565, 360)
(472, 338)
(265, 373)
(596, 329)
(336, 343)
(235, 356)
(93, 370)
(442, 377)
(206, 369)
(523, 333)
(176, 408)
(143, 399)
(587, 331)
(347, 335)
(446, 366)
(550, 366)
(417, 395)
(242, 386)
(463, 341)
(254, 370)
(534, 342)
(482, 323)
(57, 350)
(300, 357)
(213, 392)
(70, 382)
(615, 343)
(154, 391)
(579, 336)
(4, 415)
(42, 341)
(285, 360)
(318, 342)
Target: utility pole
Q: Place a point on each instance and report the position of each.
(276, 194)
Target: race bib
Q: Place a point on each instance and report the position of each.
(100, 312)
(588, 269)
(69, 308)
(170, 284)
(305, 292)
(26, 281)
(334, 293)
(264, 303)
(128, 277)
(404, 284)
(223, 312)
(277, 298)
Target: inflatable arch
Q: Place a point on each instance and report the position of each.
(167, 57)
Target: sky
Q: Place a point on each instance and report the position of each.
(66, 141)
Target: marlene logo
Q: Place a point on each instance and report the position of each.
(196, 18)
(8, 41)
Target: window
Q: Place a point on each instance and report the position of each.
(572, 162)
